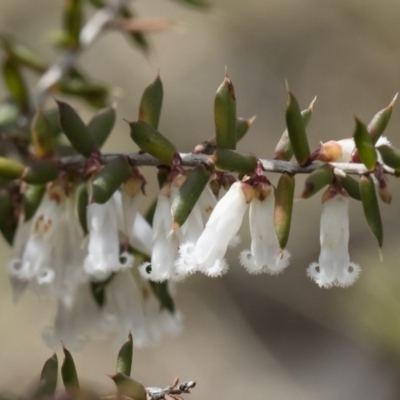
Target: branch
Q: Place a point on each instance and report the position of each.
(170, 392)
(191, 160)
(89, 33)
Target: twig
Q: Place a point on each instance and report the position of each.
(89, 33)
(170, 392)
(191, 160)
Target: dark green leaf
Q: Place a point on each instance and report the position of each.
(365, 146)
(124, 360)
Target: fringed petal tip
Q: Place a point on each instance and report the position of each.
(186, 263)
(344, 278)
(219, 268)
(126, 260)
(348, 275)
(246, 260)
(45, 276)
(316, 273)
(149, 273)
(280, 262)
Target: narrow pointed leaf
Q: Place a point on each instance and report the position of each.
(22, 55)
(129, 387)
(41, 172)
(11, 169)
(283, 150)
(42, 136)
(371, 208)
(188, 194)
(242, 127)
(162, 175)
(76, 131)
(8, 220)
(284, 194)
(318, 179)
(231, 160)
(380, 121)
(32, 198)
(152, 141)
(151, 103)
(72, 21)
(365, 147)
(390, 156)
(69, 374)
(101, 125)
(16, 84)
(48, 377)
(138, 38)
(53, 119)
(124, 360)
(109, 179)
(351, 186)
(225, 116)
(161, 291)
(296, 131)
(82, 201)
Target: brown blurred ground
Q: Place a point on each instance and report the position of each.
(259, 337)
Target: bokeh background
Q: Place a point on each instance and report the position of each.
(248, 336)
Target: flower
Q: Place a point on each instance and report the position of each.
(129, 306)
(104, 250)
(334, 266)
(265, 254)
(48, 248)
(225, 220)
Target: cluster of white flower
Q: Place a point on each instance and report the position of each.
(56, 260)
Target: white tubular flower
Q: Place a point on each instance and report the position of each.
(141, 235)
(78, 319)
(165, 246)
(265, 254)
(222, 226)
(104, 250)
(334, 266)
(48, 248)
(131, 306)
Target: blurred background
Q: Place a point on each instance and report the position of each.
(248, 336)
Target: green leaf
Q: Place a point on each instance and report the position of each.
(371, 208)
(351, 186)
(42, 136)
(72, 19)
(200, 4)
(365, 146)
(380, 121)
(48, 378)
(16, 84)
(151, 103)
(283, 150)
(8, 219)
(390, 156)
(284, 194)
(318, 179)
(124, 360)
(129, 387)
(109, 179)
(69, 374)
(82, 202)
(11, 169)
(32, 197)
(296, 131)
(76, 131)
(153, 142)
(225, 115)
(242, 127)
(23, 55)
(189, 194)
(41, 172)
(161, 291)
(231, 160)
(101, 125)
